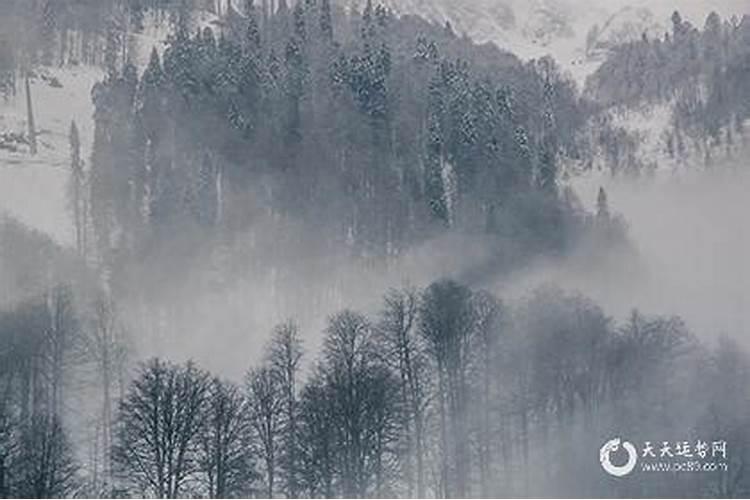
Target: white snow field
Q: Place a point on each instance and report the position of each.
(33, 187)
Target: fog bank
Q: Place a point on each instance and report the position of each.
(692, 237)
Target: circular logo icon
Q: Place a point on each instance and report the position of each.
(611, 447)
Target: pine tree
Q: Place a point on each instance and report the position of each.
(602, 205)
(521, 167)
(137, 11)
(297, 77)
(677, 26)
(30, 116)
(130, 81)
(77, 187)
(179, 59)
(434, 188)
(300, 31)
(112, 51)
(151, 97)
(547, 168)
(252, 34)
(381, 16)
(284, 355)
(49, 29)
(326, 20)
(368, 24)
(712, 42)
(206, 209)
(448, 29)
(153, 76)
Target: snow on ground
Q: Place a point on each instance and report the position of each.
(533, 28)
(33, 188)
(522, 27)
(650, 123)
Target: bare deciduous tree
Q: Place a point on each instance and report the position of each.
(404, 351)
(104, 347)
(265, 413)
(160, 419)
(446, 325)
(318, 437)
(364, 395)
(488, 317)
(284, 355)
(44, 466)
(225, 454)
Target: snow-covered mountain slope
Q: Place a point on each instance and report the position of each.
(534, 28)
(33, 187)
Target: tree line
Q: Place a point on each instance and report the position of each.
(380, 131)
(51, 348)
(446, 392)
(701, 74)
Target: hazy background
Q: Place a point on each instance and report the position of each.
(690, 227)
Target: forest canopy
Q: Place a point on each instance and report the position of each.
(257, 154)
(346, 122)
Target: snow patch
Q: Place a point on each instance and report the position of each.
(33, 187)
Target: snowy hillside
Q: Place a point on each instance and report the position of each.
(534, 28)
(33, 188)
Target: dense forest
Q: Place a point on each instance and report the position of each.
(375, 137)
(273, 143)
(702, 74)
